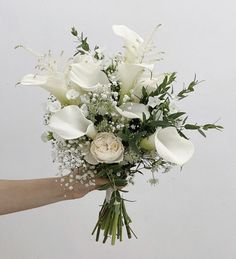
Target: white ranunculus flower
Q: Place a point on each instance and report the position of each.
(133, 110)
(55, 83)
(105, 148)
(87, 75)
(150, 84)
(153, 101)
(70, 123)
(170, 145)
(173, 107)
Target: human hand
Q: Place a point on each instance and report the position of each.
(75, 189)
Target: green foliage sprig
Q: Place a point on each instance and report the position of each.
(190, 88)
(83, 45)
(202, 128)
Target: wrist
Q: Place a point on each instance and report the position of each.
(60, 193)
(64, 192)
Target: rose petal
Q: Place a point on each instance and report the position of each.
(90, 159)
(172, 147)
(70, 123)
(133, 110)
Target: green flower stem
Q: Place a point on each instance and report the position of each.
(112, 218)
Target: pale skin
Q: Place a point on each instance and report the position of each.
(19, 195)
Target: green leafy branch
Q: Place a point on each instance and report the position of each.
(202, 128)
(162, 89)
(83, 46)
(132, 139)
(190, 88)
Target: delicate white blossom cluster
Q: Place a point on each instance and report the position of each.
(68, 154)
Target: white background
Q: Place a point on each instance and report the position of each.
(190, 214)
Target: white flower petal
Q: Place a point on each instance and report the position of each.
(127, 34)
(150, 84)
(90, 159)
(53, 106)
(54, 83)
(87, 76)
(133, 110)
(91, 131)
(31, 79)
(172, 147)
(132, 42)
(72, 94)
(70, 123)
(153, 101)
(128, 75)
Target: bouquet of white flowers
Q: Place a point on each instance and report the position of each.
(112, 118)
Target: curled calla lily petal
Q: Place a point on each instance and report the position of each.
(70, 123)
(132, 42)
(128, 75)
(87, 76)
(54, 83)
(172, 147)
(127, 34)
(133, 110)
(31, 79)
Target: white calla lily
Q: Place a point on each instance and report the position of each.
(170, 145)
(54, 83)
(135, 47)
(70, 123)
(128, 75)
(133, 110)
(87, 75)
(132, 42)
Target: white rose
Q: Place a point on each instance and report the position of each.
(105, 148)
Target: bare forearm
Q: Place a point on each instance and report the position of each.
(18, 195)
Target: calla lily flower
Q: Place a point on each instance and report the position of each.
(170, 145)
(133, 110)
(135, 47)
(54, 83)
(132, 42)
(70, 123)
(87, 75)
(128, 75)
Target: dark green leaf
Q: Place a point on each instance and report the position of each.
(176, 115)
(191, 127)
